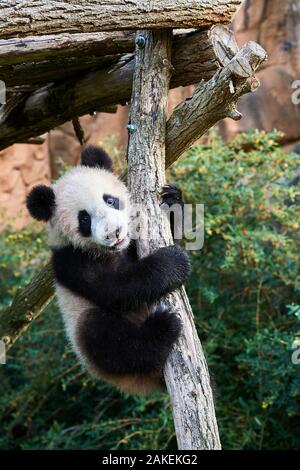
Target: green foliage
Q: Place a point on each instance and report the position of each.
(245, 295)
(20, 255)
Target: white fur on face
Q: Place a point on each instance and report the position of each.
(82, 188)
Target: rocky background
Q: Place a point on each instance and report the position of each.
(272, 23)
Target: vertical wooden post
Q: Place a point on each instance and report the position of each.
(186, 372)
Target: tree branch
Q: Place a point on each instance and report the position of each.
(44, 59)
(213, 101)
(27, 304)
(37, 16)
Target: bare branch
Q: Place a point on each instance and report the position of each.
(50, 47)
(31, 61)
(79, 132)
(28, 303)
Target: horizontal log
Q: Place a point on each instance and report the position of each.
(37, 74)
(40, 48)
(42, 59)
(29, 64)
(34, 17)
(51, 106)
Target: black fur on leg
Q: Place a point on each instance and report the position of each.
(114, 345)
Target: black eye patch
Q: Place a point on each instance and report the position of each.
(112, 201)
(84, 221)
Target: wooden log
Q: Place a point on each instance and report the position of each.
(37, 74)
(43, 59)
(15, 51)
(34, 17)
(30, 64)
(186, 372)
(51, 106)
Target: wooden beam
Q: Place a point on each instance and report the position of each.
(34, 17)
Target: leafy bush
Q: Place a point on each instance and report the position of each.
(245, 295)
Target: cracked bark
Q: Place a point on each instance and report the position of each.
(34, 17)
(214, 100)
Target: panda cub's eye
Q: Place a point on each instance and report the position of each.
(84, 220)
(111, 201)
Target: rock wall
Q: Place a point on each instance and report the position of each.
(22, 166)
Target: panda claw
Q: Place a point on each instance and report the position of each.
(170, 194)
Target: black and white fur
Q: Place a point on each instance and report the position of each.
(104, 291)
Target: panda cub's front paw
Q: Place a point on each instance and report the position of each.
(173, 205)
(176, 265)
(170, 195)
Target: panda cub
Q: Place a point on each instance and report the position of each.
(103, 289)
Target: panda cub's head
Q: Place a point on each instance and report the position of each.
(87, 207)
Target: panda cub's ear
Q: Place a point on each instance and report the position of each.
(96, 157)
(41, 202)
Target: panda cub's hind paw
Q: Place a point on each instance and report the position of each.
(170, 195)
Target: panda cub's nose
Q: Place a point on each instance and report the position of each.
(114, 234)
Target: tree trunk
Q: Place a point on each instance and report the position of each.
(186, 372)
(19, 18)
